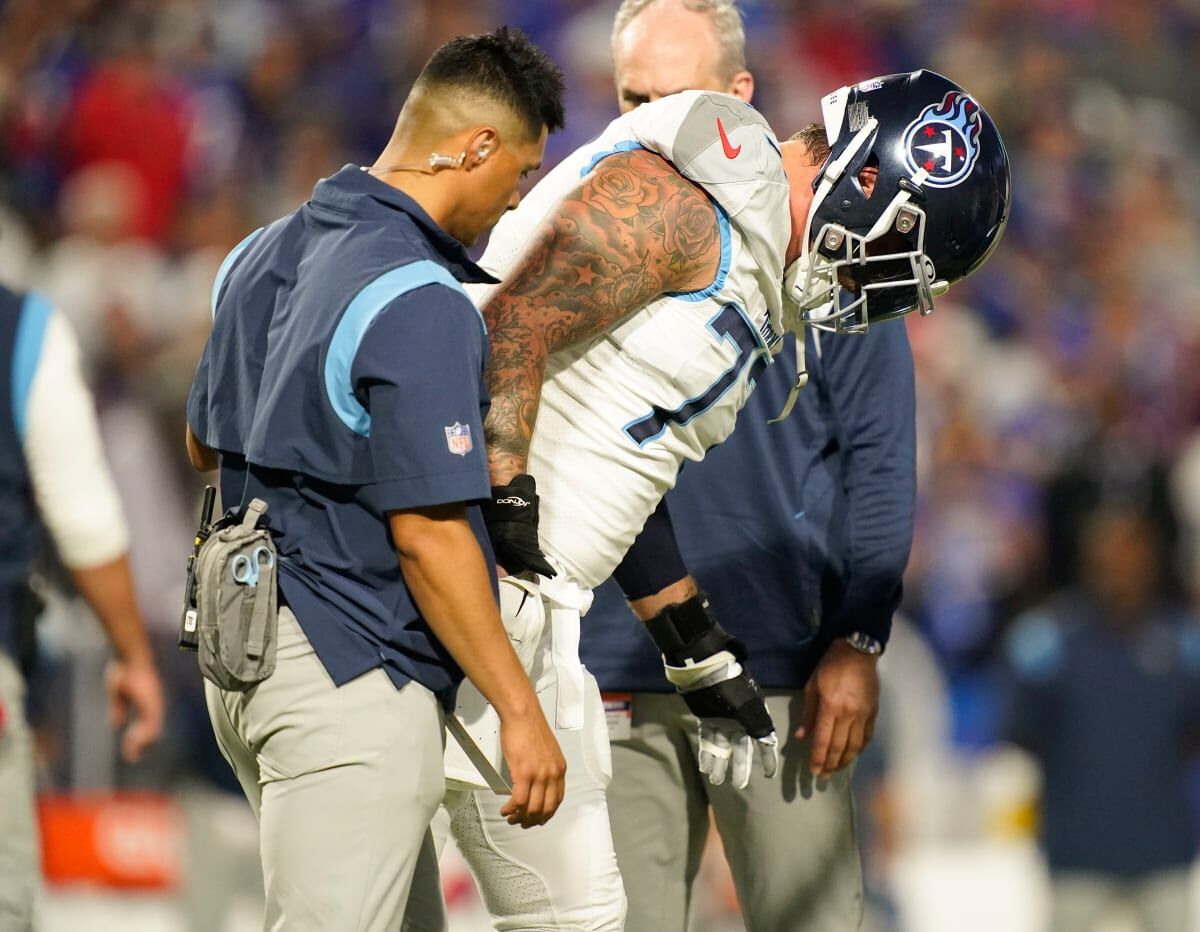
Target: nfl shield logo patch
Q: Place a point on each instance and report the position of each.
(458, 438)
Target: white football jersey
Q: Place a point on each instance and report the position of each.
(620, 414)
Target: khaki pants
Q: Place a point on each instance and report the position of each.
(1081, 900)
(343, 782)
(790, 843)
(558, 877)
(20, 870)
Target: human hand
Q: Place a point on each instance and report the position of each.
(134, 687)
(537, 768)
(841, 700)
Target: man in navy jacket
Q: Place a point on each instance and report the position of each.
(342, 384)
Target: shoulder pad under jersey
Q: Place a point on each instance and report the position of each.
(725, 146)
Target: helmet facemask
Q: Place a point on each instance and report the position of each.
(877, 276)
(843, 280)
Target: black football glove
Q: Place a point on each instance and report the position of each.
(511, 516)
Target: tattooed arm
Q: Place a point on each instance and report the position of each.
(633, 229)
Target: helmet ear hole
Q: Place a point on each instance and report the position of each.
(868, 175)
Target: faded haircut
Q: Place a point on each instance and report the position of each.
(508, 68)
(727, 25)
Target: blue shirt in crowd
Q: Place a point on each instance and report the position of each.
(1113, 717)
(798, 531)
(343, 379)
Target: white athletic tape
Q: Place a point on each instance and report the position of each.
(567, 602)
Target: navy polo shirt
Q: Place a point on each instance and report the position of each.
(1112, 716)
(343, 379)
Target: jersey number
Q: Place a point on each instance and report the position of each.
(729, 326)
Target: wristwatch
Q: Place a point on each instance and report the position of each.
(864, 643)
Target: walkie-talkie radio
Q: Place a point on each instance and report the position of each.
(189, 633)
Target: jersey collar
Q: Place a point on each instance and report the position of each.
(352, 187)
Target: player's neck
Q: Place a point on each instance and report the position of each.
(801, 171)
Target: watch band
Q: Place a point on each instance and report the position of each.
(864, 643)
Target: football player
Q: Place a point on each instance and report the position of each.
(647, 281)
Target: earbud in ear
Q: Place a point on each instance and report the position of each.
(482, 153)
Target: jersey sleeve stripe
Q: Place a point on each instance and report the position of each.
(368, 304)
(722, 269)
(627, 145)
(31, 331)
(227, 264)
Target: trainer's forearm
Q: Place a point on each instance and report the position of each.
(108, 589)
(445, 571)
(202, 458)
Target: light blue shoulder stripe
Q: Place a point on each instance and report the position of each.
(366, 306)
(722, 269)
(31, 332)
(227, 264)
(628, 145)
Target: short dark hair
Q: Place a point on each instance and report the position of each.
(507, 67)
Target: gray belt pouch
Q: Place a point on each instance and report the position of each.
(236, 603)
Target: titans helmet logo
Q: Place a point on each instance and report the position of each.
(944, 140)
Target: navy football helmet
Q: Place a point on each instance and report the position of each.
(939, 204)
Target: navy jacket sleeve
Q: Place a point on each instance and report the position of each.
(874, 402)
(197, 402)
(418, 372)
(653, 562)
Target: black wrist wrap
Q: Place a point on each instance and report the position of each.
(689, 631)
(739, 699)
(511, 517)
(517, 501)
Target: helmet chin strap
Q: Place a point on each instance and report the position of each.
(798, 274)
(792, 282)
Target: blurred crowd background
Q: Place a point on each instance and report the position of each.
(1058, 389)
